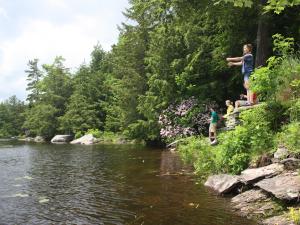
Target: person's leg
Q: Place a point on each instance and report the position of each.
(209, 132)
(246, 85)
(214, 134)
(237, 104)
(214, 131)
(251, 98)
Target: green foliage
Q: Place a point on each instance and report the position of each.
(80, 115)
(277, 6)
(95, 132)
(280, 79)
(41, 120)
(253, 138)
(294, 111)
(195, 150)
(11, 117)
(294, 215)
(283, 46)
(78, 134)
(34, 76)
(289, 137)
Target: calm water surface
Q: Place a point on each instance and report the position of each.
(103, 184)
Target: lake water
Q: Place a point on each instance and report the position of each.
(103, 184)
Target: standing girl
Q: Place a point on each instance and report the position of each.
(246, 61)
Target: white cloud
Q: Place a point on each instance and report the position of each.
(3, 13)
(44, 40)
(57, 3)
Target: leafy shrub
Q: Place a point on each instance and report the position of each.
(294, 111)
(95, 132)
(79, 134)
(196, 150)
(290, 137)
(294, 215)
(280, 79)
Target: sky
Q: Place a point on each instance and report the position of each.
(44, 29)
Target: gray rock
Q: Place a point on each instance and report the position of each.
(250, 176)
(62, 139)
(39, 139)
(244, 108)
(291, 163)
(29, 139)
(278, 220)
(281, 153)
(223, 183)
(254, 204)
(87, 139)
(285, 186)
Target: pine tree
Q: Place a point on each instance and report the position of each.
(33, 78)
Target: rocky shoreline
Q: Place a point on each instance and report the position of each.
(263, 193)
(87, 139)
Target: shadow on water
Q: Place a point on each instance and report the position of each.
(103, 184)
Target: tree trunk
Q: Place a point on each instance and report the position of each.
(262, 38)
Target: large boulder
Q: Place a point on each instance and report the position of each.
(29, 139)
(62, 139)
(250, 176)
(254, 204)
(281, 153)
(285, 186)
(87, 139)
(39, 139)
(223, 183)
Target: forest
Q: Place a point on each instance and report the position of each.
(167, 67)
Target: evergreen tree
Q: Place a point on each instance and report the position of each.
(33, 77)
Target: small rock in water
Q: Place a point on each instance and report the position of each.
(21, 195)
(43, 200)
(25, 177)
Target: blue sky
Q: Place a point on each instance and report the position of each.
(44, 29)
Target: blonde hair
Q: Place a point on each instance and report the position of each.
(249, 46)
(228, 101)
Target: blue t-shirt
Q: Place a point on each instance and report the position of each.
(247, 66)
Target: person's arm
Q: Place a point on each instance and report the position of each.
(234, 59)
(235, 63)
(242, 96)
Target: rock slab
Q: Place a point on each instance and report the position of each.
(223, 183)
(62, 139)
(87, 139)
(278, 220)
(254, 204)
(285, 186)
(250, 176)
(291, 163)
